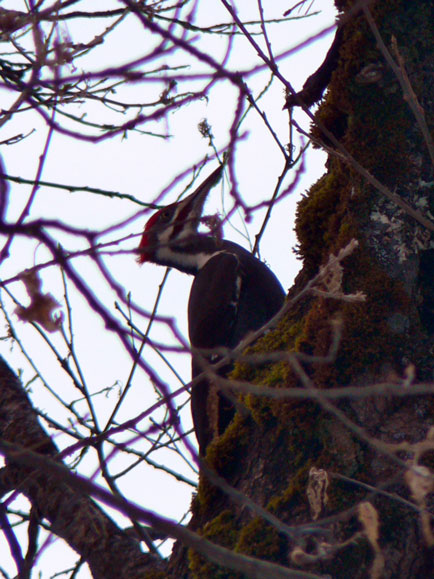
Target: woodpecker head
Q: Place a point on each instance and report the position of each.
(171, 231)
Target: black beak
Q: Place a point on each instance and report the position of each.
(190, 208)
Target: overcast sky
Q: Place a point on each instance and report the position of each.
(143, 166)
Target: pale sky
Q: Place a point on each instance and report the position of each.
(143, 166)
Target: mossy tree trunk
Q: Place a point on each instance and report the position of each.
(375, 517)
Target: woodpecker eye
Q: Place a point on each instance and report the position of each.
(165, 215)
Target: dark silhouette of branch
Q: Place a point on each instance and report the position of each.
(108, 550)
(316, 84)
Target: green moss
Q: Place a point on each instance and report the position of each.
(223, 452)
(319, 217)
(223, 531)
(294, 493)
(260, 539)
(223, 457)
(260, 410)
(367, 329)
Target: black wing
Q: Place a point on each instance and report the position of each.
(212, 313)
(213, 303)
(233, 294)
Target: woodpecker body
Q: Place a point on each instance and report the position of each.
(232, 294)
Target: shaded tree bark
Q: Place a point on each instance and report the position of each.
(343, 473)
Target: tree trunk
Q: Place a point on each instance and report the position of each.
(70, 513)
(351, 475)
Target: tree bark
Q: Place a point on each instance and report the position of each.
(342, 472)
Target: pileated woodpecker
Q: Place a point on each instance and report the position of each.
(232, 294)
